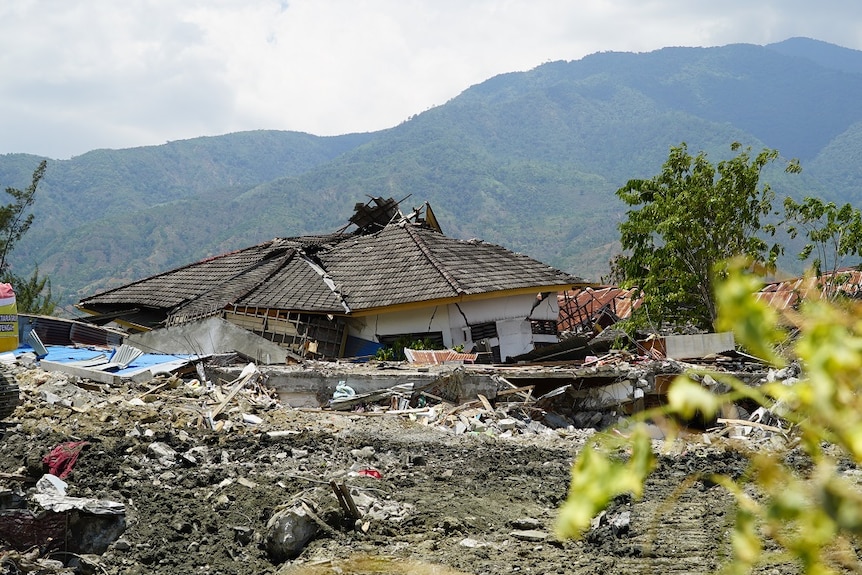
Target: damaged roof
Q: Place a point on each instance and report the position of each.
(789, 294)
(587, 306)
(405, 262)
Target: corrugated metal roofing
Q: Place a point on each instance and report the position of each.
(789, 293)
(581, 307)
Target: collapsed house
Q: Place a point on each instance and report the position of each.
(396, 278)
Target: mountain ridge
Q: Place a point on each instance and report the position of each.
(529, 160)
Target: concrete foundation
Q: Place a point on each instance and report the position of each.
(302, 386)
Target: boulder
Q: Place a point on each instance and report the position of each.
(288, 531)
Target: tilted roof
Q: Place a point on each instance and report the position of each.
(170, 289)
(406, 263)
(403, 263)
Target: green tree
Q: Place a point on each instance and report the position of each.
(833, 233)
(687, 219)
(14, 219)
(33, 294)
(815, 512)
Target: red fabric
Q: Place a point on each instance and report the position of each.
(6, 291)
(62, 458)
(370, 473)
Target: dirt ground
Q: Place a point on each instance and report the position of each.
(476, 503)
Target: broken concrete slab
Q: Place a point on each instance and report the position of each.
(210, 336)
(533, 535)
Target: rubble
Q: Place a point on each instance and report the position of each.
(185, 473)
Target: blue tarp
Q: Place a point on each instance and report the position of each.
(68, 354)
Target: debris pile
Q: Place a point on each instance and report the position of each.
(180, 474)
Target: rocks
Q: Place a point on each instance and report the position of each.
(163, 452)
(620, 522)
(532, 535)
(288, 532)
(526, 523)
(587, 419)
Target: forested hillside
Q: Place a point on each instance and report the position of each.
(529, 160)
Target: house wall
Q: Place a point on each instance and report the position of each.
(511, 315)
(421, 320)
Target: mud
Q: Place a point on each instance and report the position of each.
(444, 503)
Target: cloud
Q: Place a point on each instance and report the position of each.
(84, 75)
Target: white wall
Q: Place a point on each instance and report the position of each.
(412, 321)
(509, 313)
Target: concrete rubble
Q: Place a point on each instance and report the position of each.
(213, 466)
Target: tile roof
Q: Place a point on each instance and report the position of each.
(180, 286)
(296, 286)
(407, 263)
(789, 293)
(402, 263)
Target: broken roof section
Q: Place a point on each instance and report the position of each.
(789, 294)
(390, 260)
(592, 309)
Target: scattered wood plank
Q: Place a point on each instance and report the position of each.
(320, 522)
(746, 423)
(240, 383)
(525, 392)
(513, 388)
(354, 511)
(432, 396)
(345, 499)
(340, 497)
(485, 403)
(153, 390)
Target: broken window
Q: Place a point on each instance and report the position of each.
(543, 327)
(486, 340)
(483, 331)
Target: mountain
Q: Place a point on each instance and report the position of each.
(529, 160)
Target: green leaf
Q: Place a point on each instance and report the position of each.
(597, 478)
(689, 398)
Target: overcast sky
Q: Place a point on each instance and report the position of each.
(76, 75)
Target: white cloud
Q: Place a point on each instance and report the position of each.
(100, 73)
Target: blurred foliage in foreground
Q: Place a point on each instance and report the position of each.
(815, 515)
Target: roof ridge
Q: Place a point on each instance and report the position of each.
(327, 279)
(420, 243)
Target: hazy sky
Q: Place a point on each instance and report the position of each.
(76, 75)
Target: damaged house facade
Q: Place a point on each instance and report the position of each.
(395, 278)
